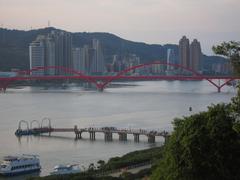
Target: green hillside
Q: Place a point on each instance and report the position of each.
(14, 47)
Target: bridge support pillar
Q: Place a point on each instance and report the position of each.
(151, 138)
(100, 89)
(78, 135)
(122, 136)
(92, 135)
(219, 89)
(136, 137)
(108, 136)
(3, 89)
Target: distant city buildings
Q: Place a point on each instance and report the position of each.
(124, 62)
(77, 59)
(89, 59)
(55, 49)
(37, 55)
(190, 55)
(63, 50)
(98, 64)
(184, 52)
(195, 56)
(171, 59)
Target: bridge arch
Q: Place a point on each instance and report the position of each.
(48, 120)
(64, 69)
(36, 122)
(158, 62)
(20, 124)
(104, 81)
(147, 65)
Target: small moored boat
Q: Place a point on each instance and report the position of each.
(66, 169)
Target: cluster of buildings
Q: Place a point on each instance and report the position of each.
(55, 49)
(120, 63)
(190, 55)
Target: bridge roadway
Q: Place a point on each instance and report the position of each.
(102, 81)
(123, 77)
(107, 131)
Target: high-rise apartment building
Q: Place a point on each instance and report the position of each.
(97, 64)
(87, 55)
(57, 49)
(49, 55)
(184, 55)
(171, 59)
(63, 50)
(190, 55)
(195, 55)
(37, 56)
(77, 59)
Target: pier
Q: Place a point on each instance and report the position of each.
(92, 131)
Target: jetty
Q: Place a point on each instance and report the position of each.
(92, 131)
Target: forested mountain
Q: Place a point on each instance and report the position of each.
(14, 47)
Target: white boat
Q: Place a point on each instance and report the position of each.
(65, 169)
(14, 165)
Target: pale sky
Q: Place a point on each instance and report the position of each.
(150, 21)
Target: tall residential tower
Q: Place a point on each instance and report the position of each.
(37, 55)
(190, 55)
(195, 55)
(184, 55)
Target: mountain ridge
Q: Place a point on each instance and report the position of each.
(14, 47)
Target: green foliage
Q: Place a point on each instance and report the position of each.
(232, 51)
(129, 159)
(202, 146)
(133, 158)
(101, 163)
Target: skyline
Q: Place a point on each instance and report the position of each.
(149, 21)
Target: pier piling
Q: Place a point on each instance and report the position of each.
(136, 137)
(108, 136)
(151, 138)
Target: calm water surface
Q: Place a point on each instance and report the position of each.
(149, 105)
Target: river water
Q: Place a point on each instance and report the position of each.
(146, 105)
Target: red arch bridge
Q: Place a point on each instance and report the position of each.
(101, 82)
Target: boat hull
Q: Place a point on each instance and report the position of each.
(20, 172)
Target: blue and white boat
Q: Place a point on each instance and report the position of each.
(65, 169)
(14, 165)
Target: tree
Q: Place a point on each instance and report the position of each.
(100, 163)
(206, 145)
(232, 51)
(202, 146)
(91, 167)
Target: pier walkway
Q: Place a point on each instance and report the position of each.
(92, 131)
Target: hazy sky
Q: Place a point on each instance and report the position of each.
(150, 21)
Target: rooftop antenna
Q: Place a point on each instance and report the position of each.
(49, 23)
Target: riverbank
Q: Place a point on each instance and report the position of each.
(140, 163)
